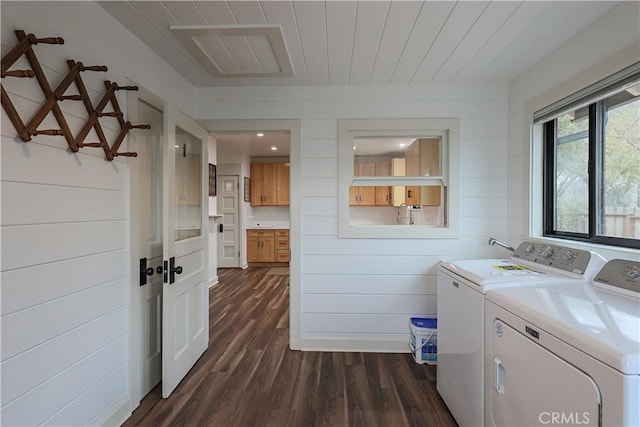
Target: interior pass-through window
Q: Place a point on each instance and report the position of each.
(398, 178)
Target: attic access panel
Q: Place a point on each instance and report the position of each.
(220, 49)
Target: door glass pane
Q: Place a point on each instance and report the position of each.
(572, 177)
(620, 216)
(150, 163)
(188, 161)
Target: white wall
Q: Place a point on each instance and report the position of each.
(360, 293)
(65, 228)
(606, 46)
(279, 214)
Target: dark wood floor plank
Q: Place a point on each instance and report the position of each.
(330, 394)
(250, 377)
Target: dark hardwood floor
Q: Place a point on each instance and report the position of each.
(249, 377)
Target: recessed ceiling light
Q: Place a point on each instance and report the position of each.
(401, 144)
(354, 147)
(260, 134)
(177, 146)
(274, 148)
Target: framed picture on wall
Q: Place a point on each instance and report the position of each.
(247, 189)
(212, 179)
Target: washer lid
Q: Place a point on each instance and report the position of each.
(488, 271)
(600, 323)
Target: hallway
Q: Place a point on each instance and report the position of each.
(249, 377)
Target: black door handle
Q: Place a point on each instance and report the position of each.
(144, 271)
(220, 227)
(173, 269)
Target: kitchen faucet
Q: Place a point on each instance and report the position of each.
(410, 217)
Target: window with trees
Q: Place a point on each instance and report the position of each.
(592, 167)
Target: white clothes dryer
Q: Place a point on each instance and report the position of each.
(565, 354)
(462, 286)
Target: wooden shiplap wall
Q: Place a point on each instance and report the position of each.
(65, 275)
(365, 290)
(64, 267)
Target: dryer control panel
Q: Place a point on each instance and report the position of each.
(622, 274)
(561, 257)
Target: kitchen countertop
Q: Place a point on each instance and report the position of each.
(275, 225)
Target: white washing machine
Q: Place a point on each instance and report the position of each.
(565, 354)
(462, 286)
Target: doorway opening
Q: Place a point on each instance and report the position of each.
(251, 129)
(253, 198)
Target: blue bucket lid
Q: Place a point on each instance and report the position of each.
(424, 322)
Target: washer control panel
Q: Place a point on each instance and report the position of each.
(621, 273)
(567, 259)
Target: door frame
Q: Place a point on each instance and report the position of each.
(135, 359)
(295, 202)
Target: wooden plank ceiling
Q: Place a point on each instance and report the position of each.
(364, 42)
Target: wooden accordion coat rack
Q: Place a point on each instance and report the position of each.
(54, 96)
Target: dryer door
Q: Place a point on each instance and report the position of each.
(532, 386)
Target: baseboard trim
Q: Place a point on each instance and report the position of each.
(353, 344)
(213, 281)
(116, 414)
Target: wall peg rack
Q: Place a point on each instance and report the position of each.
(54, 96)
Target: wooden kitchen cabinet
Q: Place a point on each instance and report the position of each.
(383, 193)
(398, 168)
(389, 195)
(426, 195)
(282, 184)
(269, 184)
(263, 184)
(363, 195)
(412, 168)
(267, 245)
(422, 158)
(260, 246)
(281, 250)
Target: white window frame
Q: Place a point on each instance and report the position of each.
(446, 128)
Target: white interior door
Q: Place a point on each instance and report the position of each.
(146, 289)
(185, 298)
(229, 234)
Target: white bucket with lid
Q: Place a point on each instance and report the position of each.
(424, 340)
